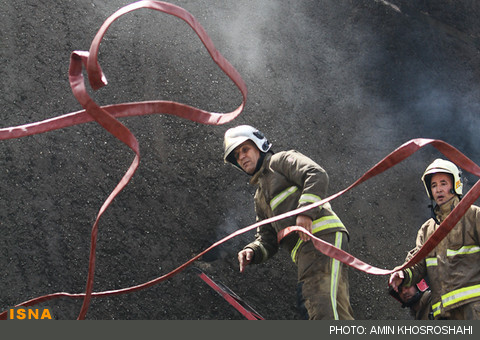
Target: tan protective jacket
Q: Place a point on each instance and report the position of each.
(453, 267)
(286, 181)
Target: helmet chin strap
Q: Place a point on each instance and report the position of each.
(259, 162)
(432, 209)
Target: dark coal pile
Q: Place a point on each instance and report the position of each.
(345, 82)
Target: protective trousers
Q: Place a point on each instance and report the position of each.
(323, 287)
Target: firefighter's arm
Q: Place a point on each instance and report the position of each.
(397, 278)
(260, 250)
(265, 244)
(409, 276)
(418, 271)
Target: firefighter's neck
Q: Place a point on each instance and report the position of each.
(445, 209)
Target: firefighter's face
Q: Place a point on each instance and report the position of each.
(406, 293)
(442, 188)
(247, 155)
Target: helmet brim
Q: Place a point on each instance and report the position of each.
(233, 143)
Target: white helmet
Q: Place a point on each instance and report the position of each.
(441, 165)
(237, 135)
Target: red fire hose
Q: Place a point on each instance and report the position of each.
(107, 116)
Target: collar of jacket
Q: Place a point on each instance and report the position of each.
(256, 176)
(445, 209)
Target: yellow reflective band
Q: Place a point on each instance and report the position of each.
(326, 222)
(294, 250)
(310, 198)
(335, 276)
(460, 295)
(409, 273)
(436, 308)
(282, 196)
(323, 223)
(431, 261)
(463, 250)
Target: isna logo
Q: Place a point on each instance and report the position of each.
(27, 313)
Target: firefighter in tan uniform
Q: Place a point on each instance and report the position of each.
(285, 181)
(453, 266)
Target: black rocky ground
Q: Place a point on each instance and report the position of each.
(345, 82)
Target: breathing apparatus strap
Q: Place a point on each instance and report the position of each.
(260, 161)
(434, 216)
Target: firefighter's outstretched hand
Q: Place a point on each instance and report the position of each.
(396, 280)
(306, 222)
(245, 256)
